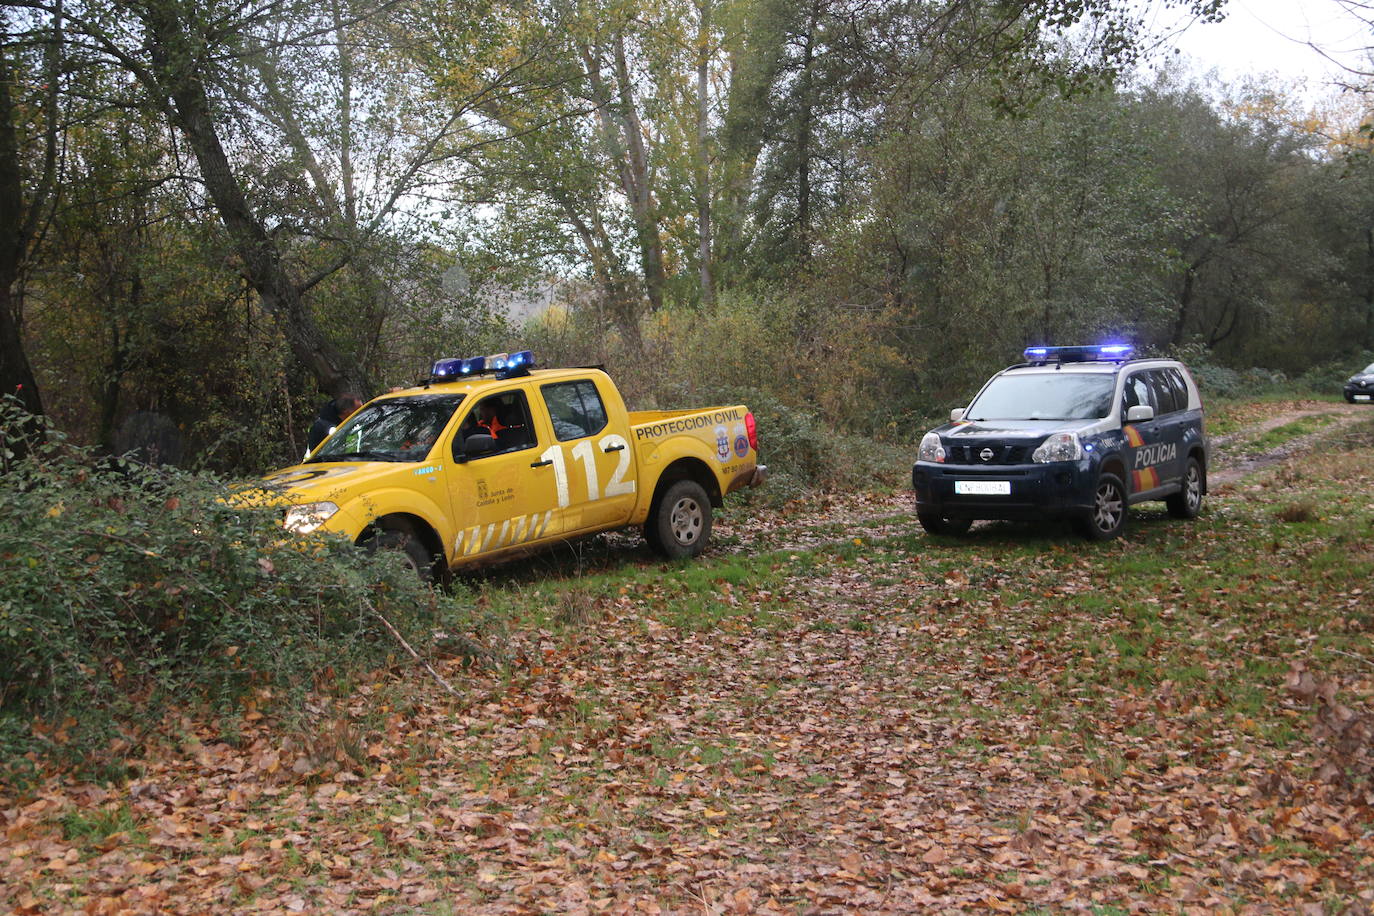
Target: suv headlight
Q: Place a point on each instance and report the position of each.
(931, 449)
(1059, 447)
(305, 518)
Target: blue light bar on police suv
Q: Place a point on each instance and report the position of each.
(447, 370)
(1100, 352)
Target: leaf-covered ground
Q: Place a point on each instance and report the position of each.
(831, 712)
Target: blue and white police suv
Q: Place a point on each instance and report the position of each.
(1073, 432)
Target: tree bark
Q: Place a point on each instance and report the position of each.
(187, 103)
(1369, 289)
(640, 185)
(618, 132)
(805, 126)
(18, 223)
(703, 157)
(1185, 304)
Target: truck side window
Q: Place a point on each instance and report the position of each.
(575, 408)
(505, 417)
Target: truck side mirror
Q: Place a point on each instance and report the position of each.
(956, 414)
(477, 445)
(1140, 413)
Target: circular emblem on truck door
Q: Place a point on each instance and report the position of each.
(986, 454)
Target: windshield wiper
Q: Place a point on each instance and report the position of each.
(365, 456)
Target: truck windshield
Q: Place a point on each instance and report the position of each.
(1045, 396)
(397, 429)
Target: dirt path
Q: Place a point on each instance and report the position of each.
(1231, 463)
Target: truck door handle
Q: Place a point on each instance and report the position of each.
(541, 464)
(613, 448)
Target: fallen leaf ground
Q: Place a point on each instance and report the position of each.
(831, 712)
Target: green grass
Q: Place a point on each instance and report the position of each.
(1280, 435)
(96, 826)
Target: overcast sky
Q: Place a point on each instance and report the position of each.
(1272, 37)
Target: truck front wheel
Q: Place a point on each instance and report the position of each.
(680, 524)
(412, 551)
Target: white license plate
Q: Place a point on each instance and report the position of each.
(982, 487)
(1361, 397)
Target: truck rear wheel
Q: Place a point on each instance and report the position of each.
(680, 524)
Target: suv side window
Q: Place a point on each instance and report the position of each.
(505, 417)
(1165, 400)
(575, 408)
(1180, 387)
(1137, 393)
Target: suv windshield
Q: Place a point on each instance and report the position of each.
(1368, 370)
(399, 429)
(1045, 396)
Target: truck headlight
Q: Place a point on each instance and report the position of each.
(305, 518)
(931, 449)
(1059, 447)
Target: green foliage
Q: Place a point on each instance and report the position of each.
(128, 589)
(762, 352)
(880, 205)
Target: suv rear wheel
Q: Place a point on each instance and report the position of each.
(1187, 502)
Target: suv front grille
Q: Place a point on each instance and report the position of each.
(1001, 454)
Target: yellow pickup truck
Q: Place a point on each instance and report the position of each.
(490, 457)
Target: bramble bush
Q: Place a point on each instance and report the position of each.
(759, 352)
(127, 590)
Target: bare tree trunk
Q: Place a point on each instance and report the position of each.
(754, 65)
(182, 86)
(1185, 304)
(618, 133)
(345, 118)
(640, 185)
(703, 157)
(1369, 289)
(804, 129)
(19, 222)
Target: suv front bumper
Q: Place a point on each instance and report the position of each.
(1036, 490)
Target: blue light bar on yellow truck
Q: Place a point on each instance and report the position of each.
(509, 364)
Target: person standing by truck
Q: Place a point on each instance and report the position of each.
(333, 412)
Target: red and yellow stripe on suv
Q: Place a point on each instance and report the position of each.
(1148, 478)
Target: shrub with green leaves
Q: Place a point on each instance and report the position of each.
(125, 589)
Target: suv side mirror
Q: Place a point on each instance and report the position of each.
(956, 414)
(476, 445)
(1140, 413)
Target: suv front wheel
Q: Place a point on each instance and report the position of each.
(1107, 517)
(934, 523)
